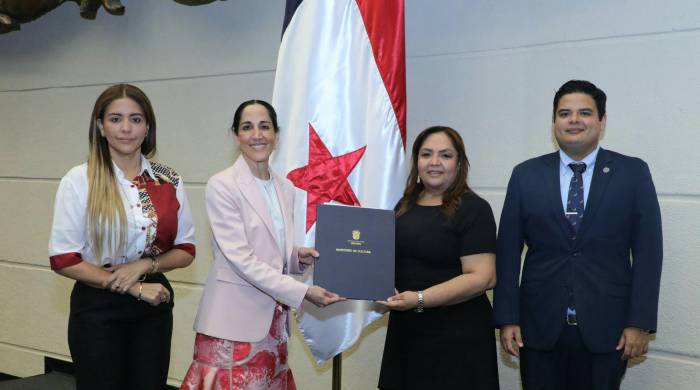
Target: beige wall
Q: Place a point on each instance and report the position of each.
(489, 69)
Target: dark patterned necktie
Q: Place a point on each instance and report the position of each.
(574, 205)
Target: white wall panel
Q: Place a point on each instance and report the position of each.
(38, 301)
(26, 208)
(679, 307)
(21, 362)
(455, 26)
(663, 372)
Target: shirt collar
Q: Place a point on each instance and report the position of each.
(589, 160)
(145, 167)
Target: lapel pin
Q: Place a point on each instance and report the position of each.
(606, 170)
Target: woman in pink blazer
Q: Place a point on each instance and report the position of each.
(242, 324)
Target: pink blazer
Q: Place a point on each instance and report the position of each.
(247, 280)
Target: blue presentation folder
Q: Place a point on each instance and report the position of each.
(356, 247)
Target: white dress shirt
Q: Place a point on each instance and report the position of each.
(69, 233)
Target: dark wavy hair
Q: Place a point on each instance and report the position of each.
(452, 196)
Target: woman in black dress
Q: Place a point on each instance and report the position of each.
(440, 334)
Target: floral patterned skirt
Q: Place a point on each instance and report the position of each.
(232, 365)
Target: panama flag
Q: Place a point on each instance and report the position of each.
(340, 96)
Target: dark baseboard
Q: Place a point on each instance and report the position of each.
(6, 377)
(51, 365)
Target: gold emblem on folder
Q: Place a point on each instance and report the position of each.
(356, 245)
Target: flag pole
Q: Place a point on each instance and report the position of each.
(337, 368)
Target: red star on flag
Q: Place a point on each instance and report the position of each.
(325, 177)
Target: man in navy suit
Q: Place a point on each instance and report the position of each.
(589, 292)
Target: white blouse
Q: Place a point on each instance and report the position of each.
(157, 211)
(269, 192)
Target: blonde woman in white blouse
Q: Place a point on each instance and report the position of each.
(120, 221)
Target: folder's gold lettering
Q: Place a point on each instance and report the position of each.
(349, 250)
(356, 234)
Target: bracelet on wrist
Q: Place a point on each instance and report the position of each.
(421, 302)
(154, 264)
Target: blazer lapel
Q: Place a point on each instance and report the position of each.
(553, 188)
(601, 177)
(251, 192)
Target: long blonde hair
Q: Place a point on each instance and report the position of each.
(106, 216)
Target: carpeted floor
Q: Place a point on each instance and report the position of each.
(51, 381)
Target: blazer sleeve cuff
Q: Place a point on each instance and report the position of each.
(294, 294)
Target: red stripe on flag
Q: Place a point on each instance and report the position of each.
(384, 22)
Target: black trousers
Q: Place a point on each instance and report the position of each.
(117, 342)
(571, 366)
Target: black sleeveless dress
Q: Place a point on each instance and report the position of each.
(450, 347)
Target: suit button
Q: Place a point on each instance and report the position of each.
(575, 254)
(573, 237)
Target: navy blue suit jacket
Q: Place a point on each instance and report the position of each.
(611, 291)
